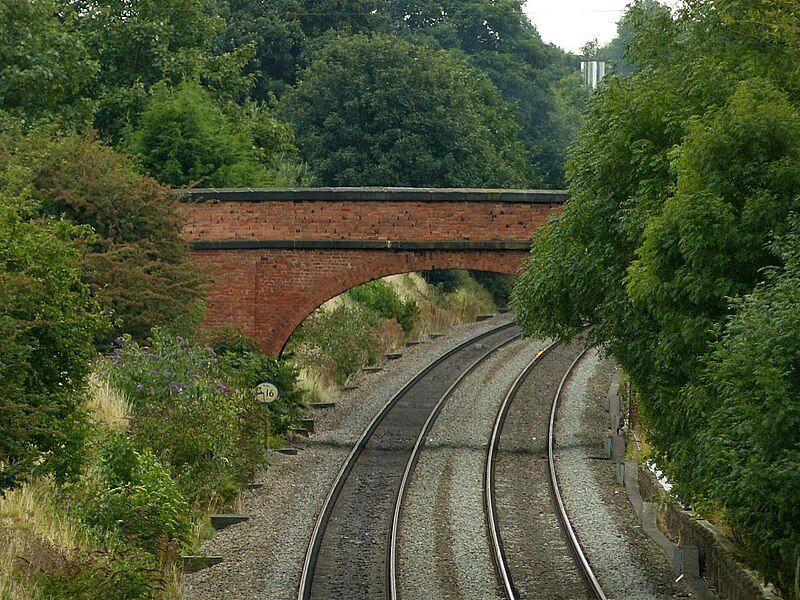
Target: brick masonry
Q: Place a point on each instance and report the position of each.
(274, 259)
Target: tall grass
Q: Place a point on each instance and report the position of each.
(35, 537)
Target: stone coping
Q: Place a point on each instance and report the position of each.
(372, 194)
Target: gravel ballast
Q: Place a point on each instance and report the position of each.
(443, 547)
(263, 557)
(626, 563)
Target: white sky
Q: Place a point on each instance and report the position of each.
(571, 23)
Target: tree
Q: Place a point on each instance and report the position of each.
(749, 451)
(380, 111)
(615, 53)
(274, 31)
(48, 322)
(136, 262)
(681, 174)
(45, 68)
(139, 43)
(184, 138)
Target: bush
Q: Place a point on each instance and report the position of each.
(499, 285)
(382, 298)
(247, 368)
(48, 321)
(139, 499)
(198, 412)
(445, 280)
(749, 456)
(184, 138)
(121, 572)
(341, 338)
(137, 263)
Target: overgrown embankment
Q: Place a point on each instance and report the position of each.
(679, 244)
(174, 432)
(359, 327)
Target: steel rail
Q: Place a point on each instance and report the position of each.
(392, 590)
(572, 538)
(489, 504)
(315, 541)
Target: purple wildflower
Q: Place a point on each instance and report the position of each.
(177, 387)
(139, 387)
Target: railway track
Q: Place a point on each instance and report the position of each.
(350, 551)
(500, 559)
(353, 552)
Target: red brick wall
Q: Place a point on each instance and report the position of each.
(321, 220)
(268, 292)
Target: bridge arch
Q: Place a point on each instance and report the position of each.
(277, 255)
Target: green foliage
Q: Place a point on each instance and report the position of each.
(138, 43)
(45, 67)
(184, 138)
(120, 571)
(382, 298)
(198, 412)
(682, 173)
(341, 339)
(747, 394)
(445, 280)
(380, 111)
(138, 499)
(48, 321)
(246, 368)
(136, 263)
(499, 285)
(615, 53)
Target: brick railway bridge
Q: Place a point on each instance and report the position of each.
(278, 254)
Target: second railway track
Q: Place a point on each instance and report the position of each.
(529, 530)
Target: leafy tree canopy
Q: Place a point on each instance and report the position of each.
(681, 174)
(45, 66)
(135, 262)
(380, 111)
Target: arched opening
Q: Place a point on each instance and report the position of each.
(368, 324)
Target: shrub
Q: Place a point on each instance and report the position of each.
(139, 499)
(445, 280)
(121, 572)
(382, 298)
(137, 263)
(750, 445)
(245, 368)
(499, 285)
(48, 321)
(184, 138)
(341, 338)
(198, 411)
